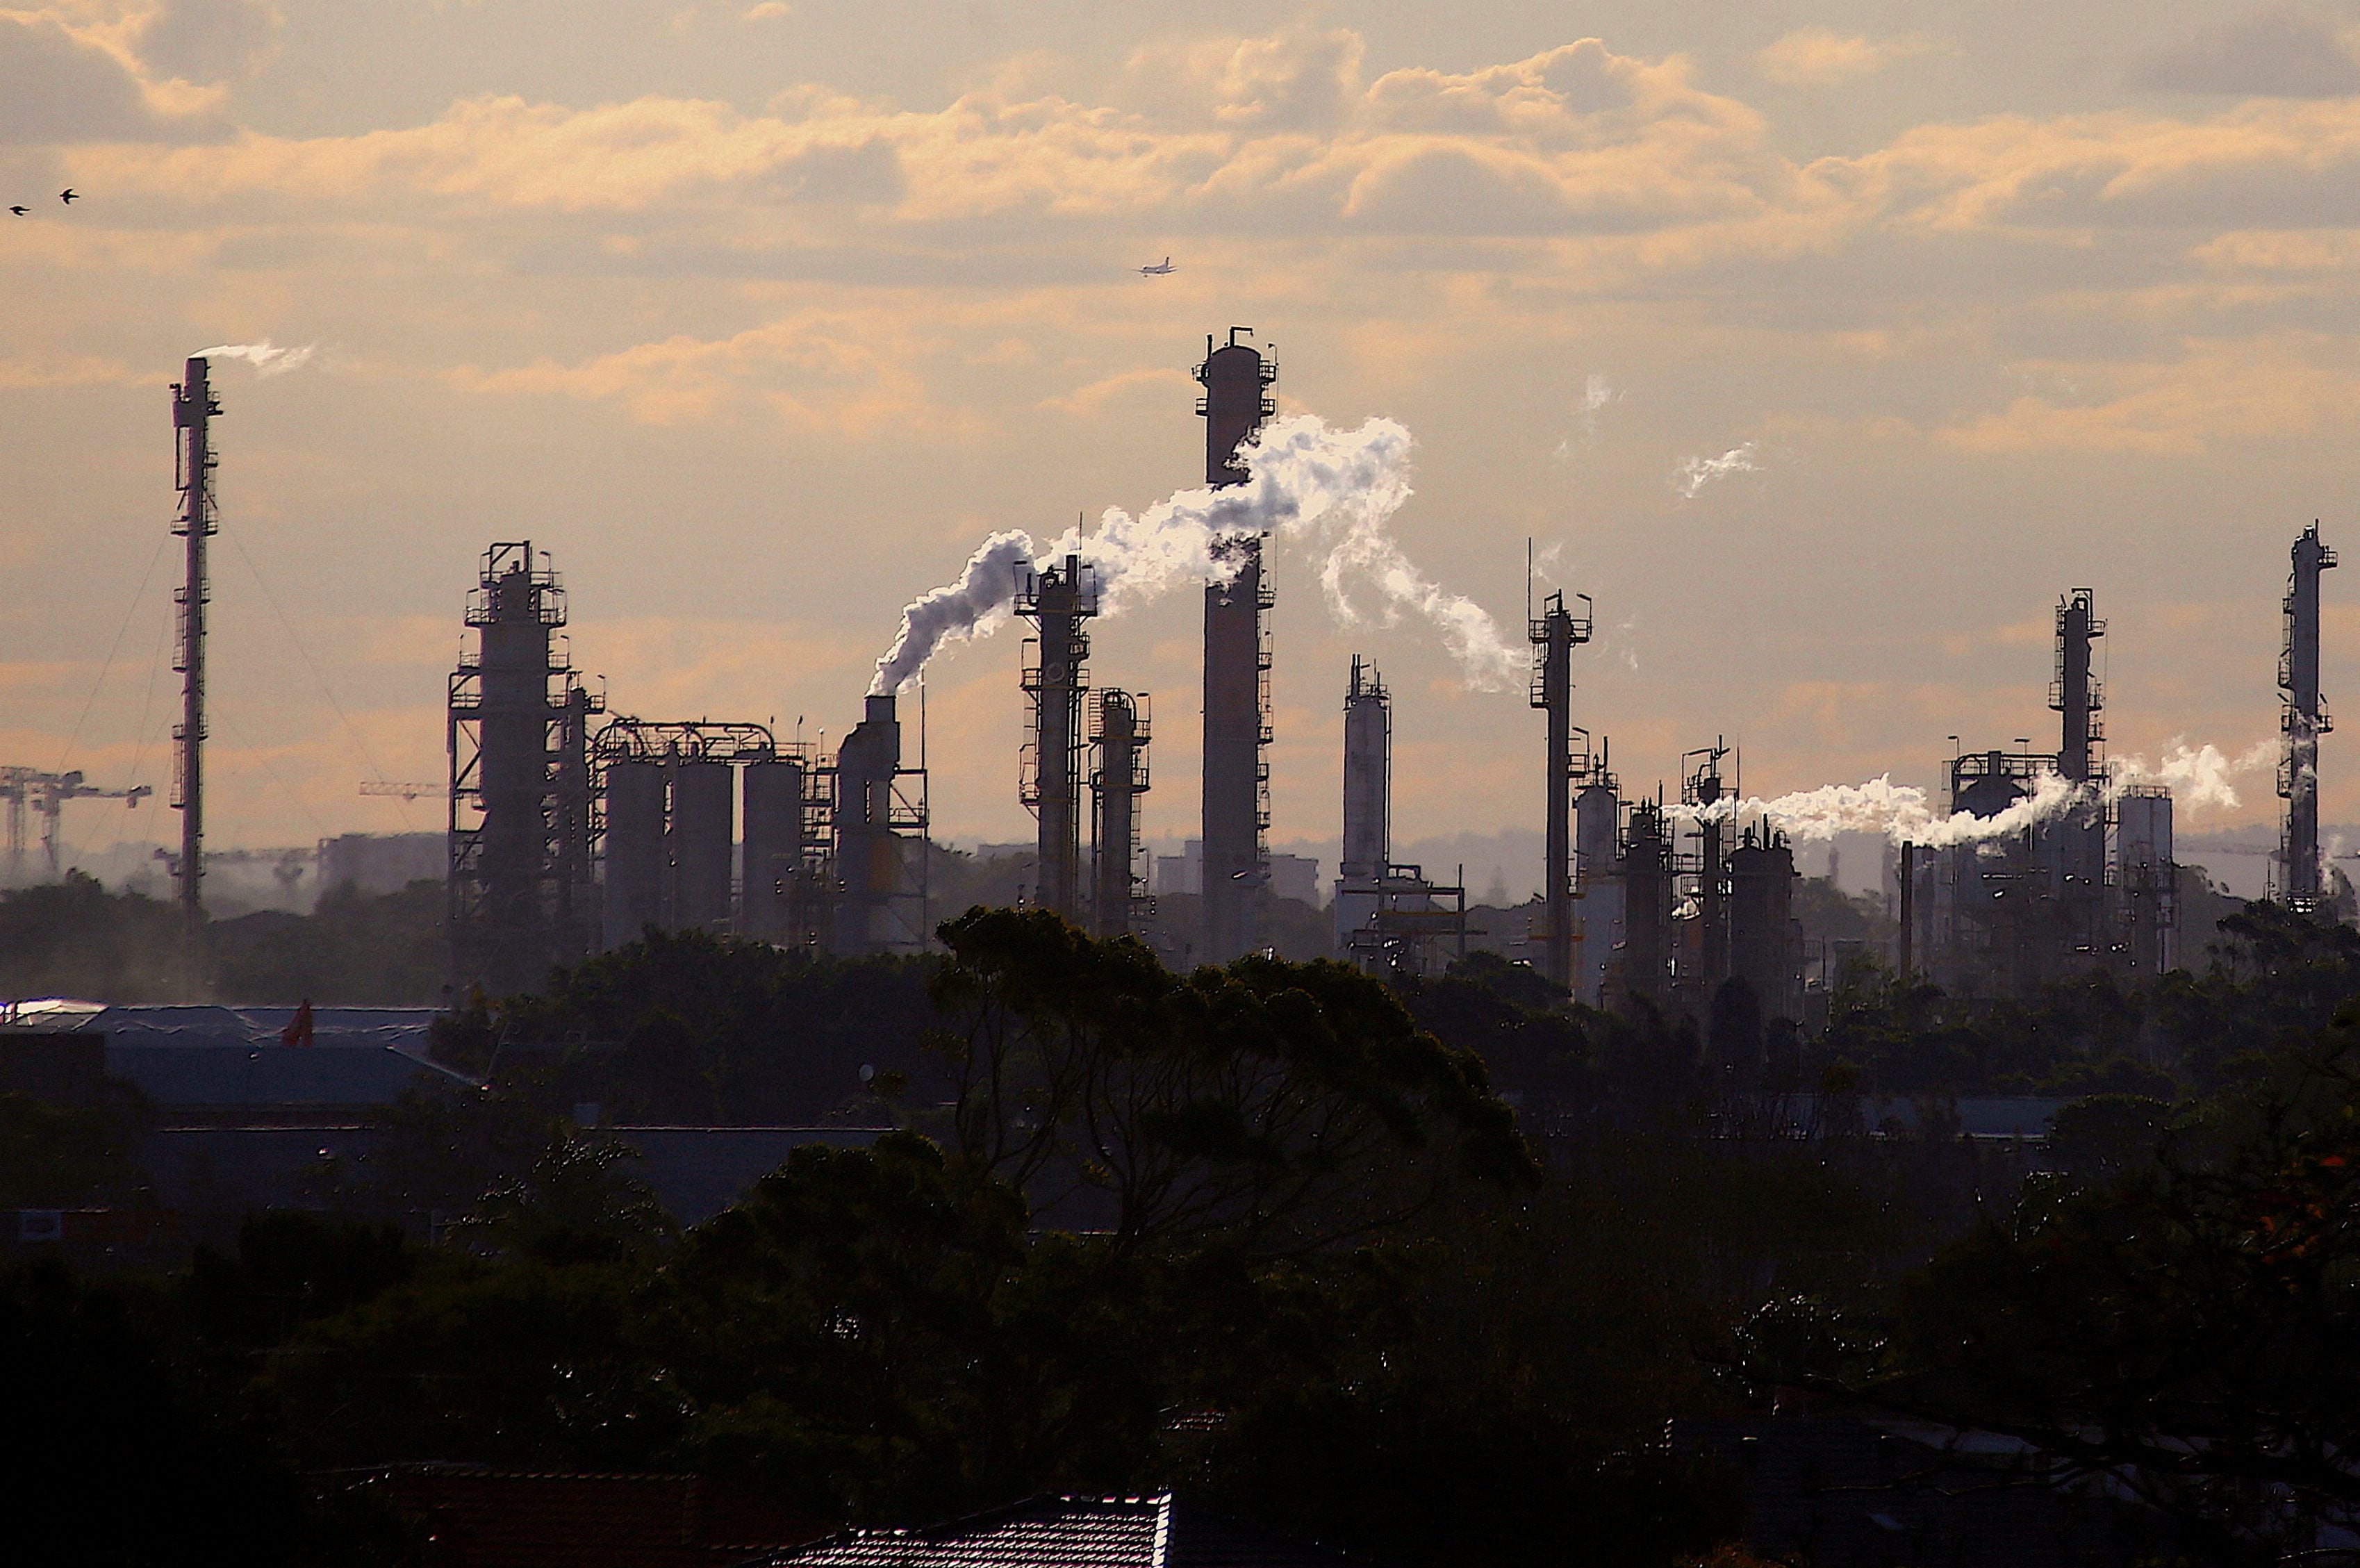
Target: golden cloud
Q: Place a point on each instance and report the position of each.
(1815, 57)
(835, 372)
(2258, 389)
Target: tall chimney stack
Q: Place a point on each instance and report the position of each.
(2304, 722)
(1237, 666)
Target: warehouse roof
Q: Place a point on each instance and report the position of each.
(213, 1055)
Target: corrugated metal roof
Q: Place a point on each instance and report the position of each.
(218, 1056)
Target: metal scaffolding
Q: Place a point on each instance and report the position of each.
(523, 812)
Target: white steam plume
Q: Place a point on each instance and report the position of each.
(1698, 472)
(1900, 811)
(268, 359)
(2198, 777)
(1332, 492)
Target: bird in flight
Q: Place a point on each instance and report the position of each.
(20, 211)
(69, 196)
(1157, 271)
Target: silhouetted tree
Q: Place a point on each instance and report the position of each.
(1285, 1105)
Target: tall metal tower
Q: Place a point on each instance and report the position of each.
(1236, 379)
(1368, 802)
(193, 408)
(1118, 737)
(1556, 632)
(1702, 786)
(2073, 691)
(520, 817)
(880, 826)
(2079, 858)
(1060, 601)
(2305, 721)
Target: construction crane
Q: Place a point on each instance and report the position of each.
(30, 788)
(405, 792)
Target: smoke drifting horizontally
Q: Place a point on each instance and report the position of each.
(2198, 777)
(1331, 492)
(1696, 473)
(268, 358)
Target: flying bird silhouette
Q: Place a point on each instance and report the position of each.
(20, 211)
(69, 196)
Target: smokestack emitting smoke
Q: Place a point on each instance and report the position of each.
(1333, 492)
(268, 360)
(2199, 776)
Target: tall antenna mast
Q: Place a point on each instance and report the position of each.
(192, 410)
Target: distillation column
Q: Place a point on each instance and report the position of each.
(2147, 879)
(1236, 379)
(1368, 802)
(1647, 876)
(193, 408)
(576, 823)
(1762, 923)
(1598, 827)
(1556, 633)
(864, 844)
(1118, 778)
(2305, 721)
(504, 865)
(1059, 600)
(1703, 789)
(2080, 862)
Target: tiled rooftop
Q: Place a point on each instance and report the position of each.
(1068, 1533)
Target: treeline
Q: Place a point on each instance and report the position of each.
(76, 939)
(1422, 1270)
(1250, 1231)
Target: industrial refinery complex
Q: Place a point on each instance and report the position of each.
(572, 827)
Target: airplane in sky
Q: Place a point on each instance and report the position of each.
(1157, 271)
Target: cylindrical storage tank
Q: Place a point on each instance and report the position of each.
(633, 899)
(701, 843)
(1598, 911)
(773, 846)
